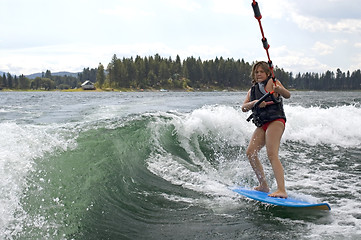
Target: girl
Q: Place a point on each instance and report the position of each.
(270, 120)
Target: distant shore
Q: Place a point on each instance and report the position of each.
(208, 89)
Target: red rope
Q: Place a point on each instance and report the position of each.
(266, 46)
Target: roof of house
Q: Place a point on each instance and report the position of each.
(87, 82)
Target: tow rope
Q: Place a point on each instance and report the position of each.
(266, 46)
(254, 116)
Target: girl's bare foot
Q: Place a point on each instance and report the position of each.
(278, 193)
(262, 188)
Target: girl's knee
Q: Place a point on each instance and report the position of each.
(251, 153)
(272, 154)
(272, 157)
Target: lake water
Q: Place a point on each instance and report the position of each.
(151, 165)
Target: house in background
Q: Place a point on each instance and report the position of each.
(88, 85)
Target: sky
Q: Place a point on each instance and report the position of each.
(69, 35)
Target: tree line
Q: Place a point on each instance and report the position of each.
(156, 72)
(46, 82)
(191, 73)
(328, 81)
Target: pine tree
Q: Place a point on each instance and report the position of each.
(100, 79)
(10, 80)
(24, 82)
(48, 74)
(5, 81)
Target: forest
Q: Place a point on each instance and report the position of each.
(156, 72)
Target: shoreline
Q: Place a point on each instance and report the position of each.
(189, 89)
(209, 89)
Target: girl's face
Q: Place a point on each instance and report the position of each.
(260, 74)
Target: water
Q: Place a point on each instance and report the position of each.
(159, 166)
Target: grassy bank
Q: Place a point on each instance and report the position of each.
(188, 89)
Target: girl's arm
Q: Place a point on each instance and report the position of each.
(248, 105)
(280, 89)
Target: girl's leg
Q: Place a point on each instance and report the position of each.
(273, 138)
(256, 143)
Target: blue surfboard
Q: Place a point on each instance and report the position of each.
(285, 202)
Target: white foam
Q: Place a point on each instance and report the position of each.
(335, 126)
(19, 146)
(223, 122)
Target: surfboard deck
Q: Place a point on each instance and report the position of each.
(285, 202)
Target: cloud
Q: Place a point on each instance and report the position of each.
(340, 41)
(75, 57)
(356, 62)
(67, 57)
(297, 61)
(324, 15)
(314, 24)
(234, 7)
(322, 48)
(346, 25)
(308, 23)
(187, 5)
(129, 12)
(277, 9)
(206, 51)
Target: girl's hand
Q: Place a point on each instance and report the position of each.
(249, 105)
(281, 91)
(278, 89)
(262, 104)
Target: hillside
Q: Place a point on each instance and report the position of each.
(34, 75)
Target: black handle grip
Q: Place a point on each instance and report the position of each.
(261, 100)
(257, 12)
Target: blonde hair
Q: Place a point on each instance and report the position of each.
(265, 68)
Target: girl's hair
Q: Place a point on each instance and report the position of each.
(265, 68)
